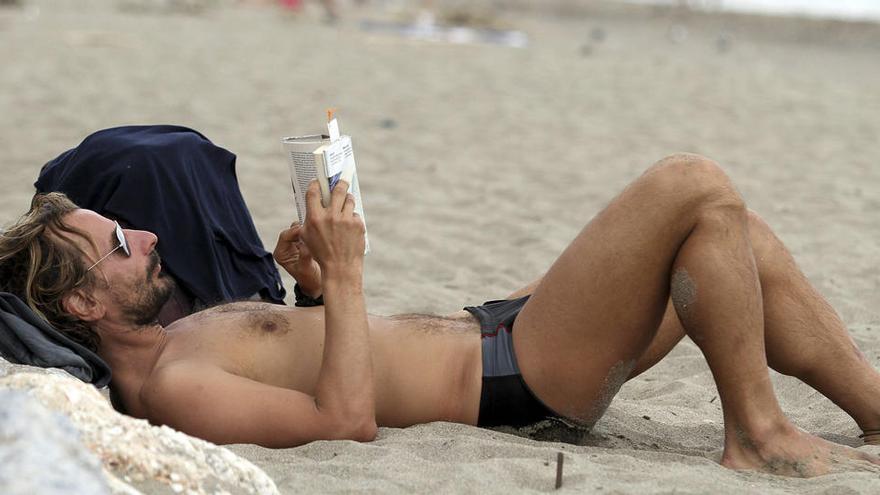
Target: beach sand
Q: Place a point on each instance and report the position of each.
(478, 164)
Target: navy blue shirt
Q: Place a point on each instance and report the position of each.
(174, 182)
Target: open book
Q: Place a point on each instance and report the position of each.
(327, 158)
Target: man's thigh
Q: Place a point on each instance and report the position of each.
(596, 310)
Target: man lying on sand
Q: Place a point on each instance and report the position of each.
(675, 253)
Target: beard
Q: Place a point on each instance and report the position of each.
(148, 295)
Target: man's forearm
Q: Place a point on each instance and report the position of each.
(345, 384)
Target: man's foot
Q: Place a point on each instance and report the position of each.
(789, 451)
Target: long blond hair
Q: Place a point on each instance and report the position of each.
(40, 265)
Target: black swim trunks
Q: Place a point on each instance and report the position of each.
(505, 398)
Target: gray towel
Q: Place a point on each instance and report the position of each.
(25, 338)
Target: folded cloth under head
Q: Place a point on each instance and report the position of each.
(25, 338)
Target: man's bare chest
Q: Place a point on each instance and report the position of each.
(268, 343)
(419, 361)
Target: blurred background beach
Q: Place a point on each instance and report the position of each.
(487, 132)
(855, 10)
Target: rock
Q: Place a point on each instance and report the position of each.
(40, 451)
(134, 453)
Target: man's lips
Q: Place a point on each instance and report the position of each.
(156, 263)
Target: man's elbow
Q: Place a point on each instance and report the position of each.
(360, 428)
(365, 431)
(358, 424)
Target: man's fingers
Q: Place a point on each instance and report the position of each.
(348, 207)
(290, 235)
(313, 197)
(338, 195)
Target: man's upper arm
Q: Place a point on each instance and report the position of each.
(207, 402)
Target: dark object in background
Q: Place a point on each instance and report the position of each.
(174, 182)
(388, 123)
(724, 42)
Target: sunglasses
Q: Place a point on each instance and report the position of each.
(122, 244)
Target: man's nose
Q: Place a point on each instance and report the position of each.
(146, 241)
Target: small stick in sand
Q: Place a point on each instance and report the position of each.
(559, 459)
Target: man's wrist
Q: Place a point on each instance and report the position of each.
(304, 299)
(348, 278)
(309, 288)
(309, 280)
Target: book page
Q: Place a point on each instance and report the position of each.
(302, 167)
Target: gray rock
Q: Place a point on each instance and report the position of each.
(41, 452)
(136, 457)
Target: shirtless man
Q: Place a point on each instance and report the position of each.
(675, 253)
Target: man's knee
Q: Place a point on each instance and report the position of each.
(697, 181)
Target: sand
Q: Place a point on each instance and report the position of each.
(478, 165)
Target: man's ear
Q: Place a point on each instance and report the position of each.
(83, 305)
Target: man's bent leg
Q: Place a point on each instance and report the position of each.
(598, 307)
(803, 335)
(668, 336)
(680, 226)
(806, 338)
